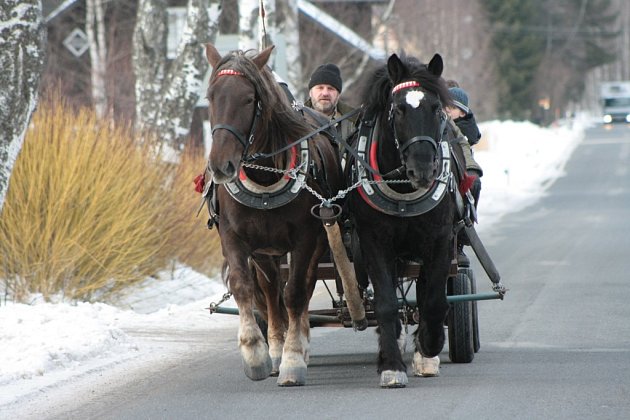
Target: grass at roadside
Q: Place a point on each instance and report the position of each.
(90, 210)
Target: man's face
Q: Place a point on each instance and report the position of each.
(324, 98)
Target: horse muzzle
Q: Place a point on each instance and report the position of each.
(422, 177)
(222, 174)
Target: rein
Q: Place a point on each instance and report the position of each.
(257, 156)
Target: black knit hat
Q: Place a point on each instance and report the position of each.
(326, 74)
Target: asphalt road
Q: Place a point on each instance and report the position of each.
(558, 346)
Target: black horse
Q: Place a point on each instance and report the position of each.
(405, 208)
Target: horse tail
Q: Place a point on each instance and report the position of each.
(260, 301)
(269, 285)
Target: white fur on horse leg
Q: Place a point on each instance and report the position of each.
(292, 369)
(293, 366)
(425, 366)
(254, 352)
(402, 342)
(393, 379)
(306, 346)
(275, 352)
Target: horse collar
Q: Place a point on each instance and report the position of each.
(251, 194)
(381, 197)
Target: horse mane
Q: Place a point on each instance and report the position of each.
(279, 124)
(377, 91)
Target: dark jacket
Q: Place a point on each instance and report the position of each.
(347, 126)
(458, 136)
(469, 128)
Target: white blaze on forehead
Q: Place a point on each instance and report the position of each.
(414, 97)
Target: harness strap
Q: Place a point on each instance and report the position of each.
(418, 139)
(236, 133)
(233, 130)
(366, 129)
(257, 156)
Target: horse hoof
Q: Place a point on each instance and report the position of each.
(393, 379)
(260, 372)
(360, 325)
(275, 366)
(425, 366)
(294, 376)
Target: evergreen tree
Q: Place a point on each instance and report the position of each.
(519, 51)
(586, 42)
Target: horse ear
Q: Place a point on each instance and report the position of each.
(212, 55)
(436, 65)
(396, 69)
(262, 57)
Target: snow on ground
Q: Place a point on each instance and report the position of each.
(48, 344)
(520, 162)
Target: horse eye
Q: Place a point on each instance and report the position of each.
(249, 101)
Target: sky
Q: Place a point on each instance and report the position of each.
(47, 345)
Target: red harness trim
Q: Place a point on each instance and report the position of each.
(405, 85)
(293, 160)
(373, 160)
(229, 72)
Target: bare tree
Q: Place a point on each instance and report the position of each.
(288, 25)
(95, 29)
(321, 43)
(458, 30)
(166, 92)
(260, 25)
(249, 12)
(22, 48)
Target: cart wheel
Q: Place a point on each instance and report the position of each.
(475, 318)
(460, 325)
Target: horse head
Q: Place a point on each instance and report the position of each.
(235, 109)
(416, 116)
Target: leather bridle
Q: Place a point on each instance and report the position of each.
(245, 142)
(415, 139)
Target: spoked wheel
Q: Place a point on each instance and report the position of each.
(475, 318)
(460, 322)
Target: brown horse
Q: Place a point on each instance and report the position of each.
(265, 209)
